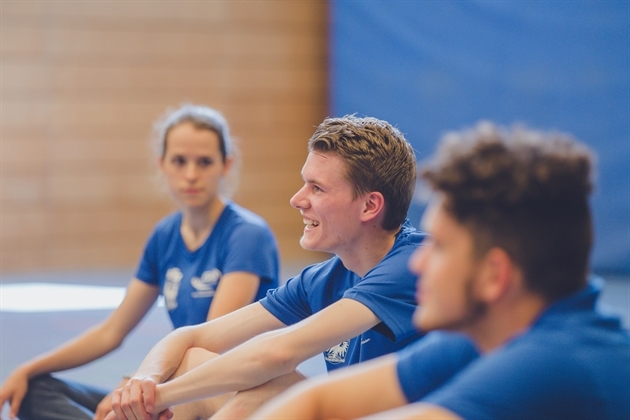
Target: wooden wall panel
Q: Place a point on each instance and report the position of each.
(82, 83)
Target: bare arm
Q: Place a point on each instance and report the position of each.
(87, 347)
(268, 355)
(235, 290)
(359, 390)
(218, 336)
(417, 411)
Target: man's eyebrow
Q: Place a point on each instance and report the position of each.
(312, 181)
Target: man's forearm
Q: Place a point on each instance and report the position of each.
(249, 365)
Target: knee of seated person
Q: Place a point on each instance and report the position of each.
(239, 407)
(39, 388)
(193, 357)
(198, 355)
(44, 381)
(246, 402)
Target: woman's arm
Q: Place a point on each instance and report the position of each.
(217, 336)
(87, 347)
(235, 290)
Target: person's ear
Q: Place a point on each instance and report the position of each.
(228, 165)
(496, 275)
(374, 204)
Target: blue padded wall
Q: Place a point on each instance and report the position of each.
(432, 66)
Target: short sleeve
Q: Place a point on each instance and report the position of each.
(289, 302)
(389, 291)
(522, 383)
(148, 267)
(252, 248)
(431, 361)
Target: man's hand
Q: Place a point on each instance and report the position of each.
(13, 391)
(135, 400)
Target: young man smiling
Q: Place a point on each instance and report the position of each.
(507, 266)
(359, 178)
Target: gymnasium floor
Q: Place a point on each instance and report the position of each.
(36, 315)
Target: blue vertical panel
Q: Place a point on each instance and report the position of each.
(432, 66)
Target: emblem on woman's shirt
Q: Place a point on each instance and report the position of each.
(171, 287)
(206, 285)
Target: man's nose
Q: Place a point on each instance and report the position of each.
(299, 199)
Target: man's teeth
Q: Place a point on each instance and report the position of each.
(311, 223)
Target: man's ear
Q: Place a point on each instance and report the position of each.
(496, 275)
(374, 204)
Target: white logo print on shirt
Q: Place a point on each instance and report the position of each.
(207, 284)
(337, 354)
(171, 287)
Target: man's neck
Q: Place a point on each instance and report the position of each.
(365, 253)
(506, 320)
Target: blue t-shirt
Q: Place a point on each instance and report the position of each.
(573, 363)
(240, 241)
(430, 362)
(388, 290)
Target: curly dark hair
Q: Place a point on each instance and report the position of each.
(377, 157)
(523, 191)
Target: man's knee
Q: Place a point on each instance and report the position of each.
(244, 403)
(201, 409)
(194, 357)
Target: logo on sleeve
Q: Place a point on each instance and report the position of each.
(337, 354)
(206, 285)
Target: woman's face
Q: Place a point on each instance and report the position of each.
(193, 165)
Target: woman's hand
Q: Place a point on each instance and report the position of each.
(13, 391)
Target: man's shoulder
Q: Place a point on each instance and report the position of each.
(407, 241)
(409, 236)
(332, 267)
(580, 351)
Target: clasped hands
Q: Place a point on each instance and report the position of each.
(136, 400)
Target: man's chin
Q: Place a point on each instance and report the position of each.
(305, 245)
(424, 323)
(417, 320)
